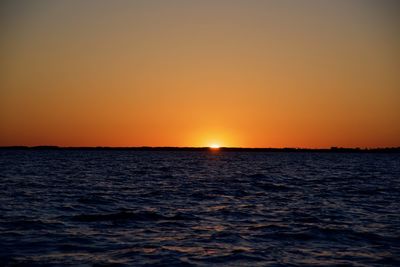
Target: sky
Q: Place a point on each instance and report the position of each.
(246, 73)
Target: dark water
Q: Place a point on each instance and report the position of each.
(137, 208)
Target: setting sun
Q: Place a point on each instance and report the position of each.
(215, 146)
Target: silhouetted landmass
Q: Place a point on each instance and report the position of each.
(224, 149)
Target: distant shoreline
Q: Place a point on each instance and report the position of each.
(224, 149)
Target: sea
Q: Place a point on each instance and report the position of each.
(198, 208)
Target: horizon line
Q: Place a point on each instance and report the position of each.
(202, 148)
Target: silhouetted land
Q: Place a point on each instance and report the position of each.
(227, 149)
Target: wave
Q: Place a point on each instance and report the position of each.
(131, 216)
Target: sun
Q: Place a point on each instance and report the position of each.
(215, 146)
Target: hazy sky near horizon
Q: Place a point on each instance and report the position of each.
(245, 73)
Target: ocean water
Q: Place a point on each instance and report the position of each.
(177, 208)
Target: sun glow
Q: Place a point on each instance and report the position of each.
(214, 146)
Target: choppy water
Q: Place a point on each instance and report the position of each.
(140, 208)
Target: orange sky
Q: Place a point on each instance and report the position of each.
(193, 73)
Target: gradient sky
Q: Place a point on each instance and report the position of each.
(196, 72)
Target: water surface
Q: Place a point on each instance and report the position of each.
(177, 208)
